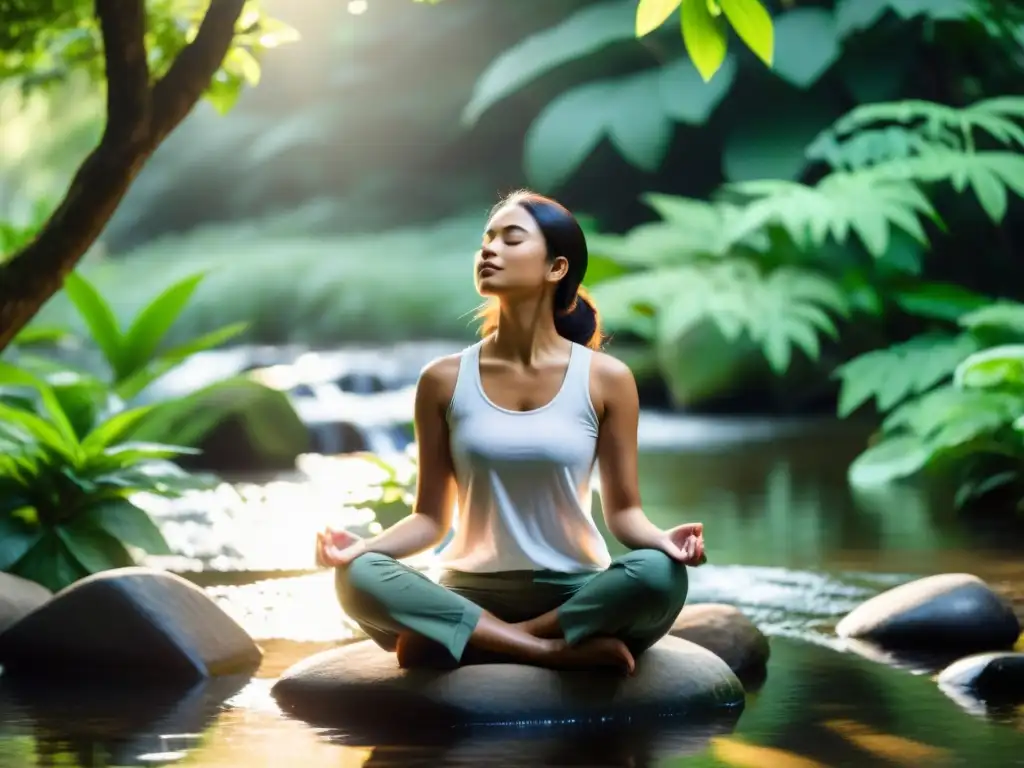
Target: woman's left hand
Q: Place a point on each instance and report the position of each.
(685, 543)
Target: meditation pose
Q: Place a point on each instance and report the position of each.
(508, 432)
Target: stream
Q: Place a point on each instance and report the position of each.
(789, 543)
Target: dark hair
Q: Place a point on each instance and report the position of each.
(576, 315)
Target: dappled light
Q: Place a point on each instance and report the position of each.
(243, 250)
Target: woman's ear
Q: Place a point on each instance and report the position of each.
(559, 269)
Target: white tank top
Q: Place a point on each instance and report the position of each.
(524, 477)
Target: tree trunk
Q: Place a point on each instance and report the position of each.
(139, 118)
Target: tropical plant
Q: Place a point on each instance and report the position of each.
(135, 357)
(705, 32)
(686, 268)
(68, 487)
(774, 262)
(638, 112)
(953, 402)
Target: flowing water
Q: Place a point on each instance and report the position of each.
(789, 543)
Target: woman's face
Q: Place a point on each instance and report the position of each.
(513, 259)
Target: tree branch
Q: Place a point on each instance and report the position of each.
(123, 24)
(134, 130)
(190, 75)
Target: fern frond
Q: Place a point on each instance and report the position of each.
(891, 375)
(862, 203)
(991, 175)
(873, 146)
(785, 309)
(1003, 316)
(950, 416)
(689, 230)
(938, 122)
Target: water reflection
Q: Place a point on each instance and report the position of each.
(790, 544)
(818, 707)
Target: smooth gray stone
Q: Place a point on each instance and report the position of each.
(987, 675)
(129, 624)
(361, 683)
(728, 633)
(953, 610)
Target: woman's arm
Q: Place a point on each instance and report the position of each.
(618, 406)
(435, 483)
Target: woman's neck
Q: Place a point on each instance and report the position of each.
(526, 331)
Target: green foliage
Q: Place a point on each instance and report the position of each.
(800, 44)
(132, 355)
(67, 489)
(694, 266)
(953, 403)
(705, 31)
(44, 43)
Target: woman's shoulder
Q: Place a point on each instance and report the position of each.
(437, 378)
(611, 381)
(610, 370)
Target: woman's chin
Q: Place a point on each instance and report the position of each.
(488, 287)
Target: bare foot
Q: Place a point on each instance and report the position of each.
(415, 651)
(596, 652)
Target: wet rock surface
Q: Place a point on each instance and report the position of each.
(360, 684)
(129, 624)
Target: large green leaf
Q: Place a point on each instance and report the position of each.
(50, 563)
(704, 36)
(1003, 316)
(587, 31)
(13, 375)
(81, 397)
(98, 316)
(1001, 366)
(16, 538)
(808, 45)
(39, 430)
(686, 97)
(93, 548)
(114, 429)
(638, 129)
(143, 337)
(565, 134)
(857, 15)
(754, 26)
(651, 14)
(132, 386)
(129, 524)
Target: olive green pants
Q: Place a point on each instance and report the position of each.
(636, 599)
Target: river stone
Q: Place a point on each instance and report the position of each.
(361, 684)
(948, 611)
(997, 675)
(18, 598)
(129, 623)
(726, 632)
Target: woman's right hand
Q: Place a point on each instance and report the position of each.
(337, 549)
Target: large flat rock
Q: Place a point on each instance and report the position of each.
(362, 685)
(129, 624)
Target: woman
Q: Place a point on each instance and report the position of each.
(509, 430)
